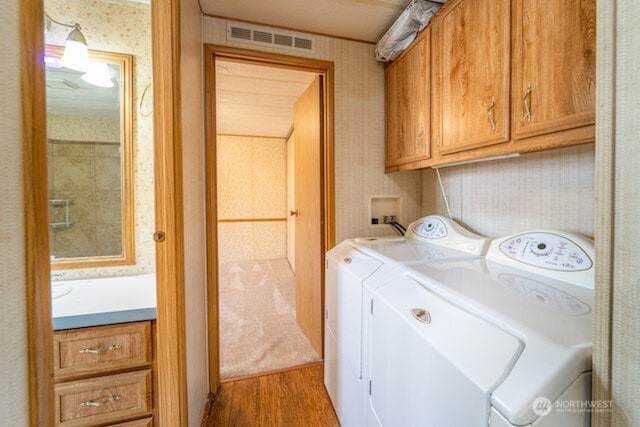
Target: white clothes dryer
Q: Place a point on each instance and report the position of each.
(502, 341)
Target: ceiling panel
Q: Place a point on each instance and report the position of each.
(257, 100)
(365, 20)
(68, 94)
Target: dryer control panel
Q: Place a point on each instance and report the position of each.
(547, 250)
(557, 254)
(445, 232)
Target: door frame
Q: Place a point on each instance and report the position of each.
(170, 318)
(325, 68)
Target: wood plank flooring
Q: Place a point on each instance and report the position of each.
(292, 398)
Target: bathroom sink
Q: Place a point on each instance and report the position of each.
(58, 291)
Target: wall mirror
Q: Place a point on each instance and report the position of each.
(90, 161)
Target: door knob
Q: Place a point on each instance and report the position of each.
(293, 213)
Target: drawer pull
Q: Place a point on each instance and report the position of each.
(100, 350)
(101, 402)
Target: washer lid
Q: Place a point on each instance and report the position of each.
(552, 318)
(404, 250)
(358, 263)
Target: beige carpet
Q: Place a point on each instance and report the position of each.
(258, 328)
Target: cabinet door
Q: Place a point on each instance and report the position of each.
(554, 66)
(472, 52)
(408, 104)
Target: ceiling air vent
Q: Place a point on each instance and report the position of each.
(270, 36)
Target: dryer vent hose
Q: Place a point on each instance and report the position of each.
(399, 228)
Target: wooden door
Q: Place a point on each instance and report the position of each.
(407, 97)
(554, 66)
(472, 51)
(308, 129)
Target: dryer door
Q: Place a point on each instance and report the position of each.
(430, 362)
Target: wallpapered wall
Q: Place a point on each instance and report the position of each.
(122, 29)
(551, 189)
(14, 370)
(252, 183)
(359, 130)
(63, 127)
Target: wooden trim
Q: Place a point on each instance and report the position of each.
(253, 220)
(253, 136)
(127, 206)
(171, 350)
(211, 206)
(281, 27)
(326, 68)
(36, 206)
(275, 371)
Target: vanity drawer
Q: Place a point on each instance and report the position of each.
(91, 351)
(104, 400)
(145, 422)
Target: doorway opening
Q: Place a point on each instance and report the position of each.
(269, 189)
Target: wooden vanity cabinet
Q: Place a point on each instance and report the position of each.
(407, 101)
(471, 75)
(554, 66)
(104, 375)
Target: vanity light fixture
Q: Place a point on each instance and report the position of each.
(76, 51)
(98, 75)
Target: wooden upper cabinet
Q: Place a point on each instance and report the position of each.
(554, 73)
(471, 51)
(407, 105)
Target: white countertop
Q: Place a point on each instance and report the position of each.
(93, 302)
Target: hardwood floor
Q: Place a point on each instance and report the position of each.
(291, 398)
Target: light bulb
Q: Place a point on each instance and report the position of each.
(98, 75)
(76, 52)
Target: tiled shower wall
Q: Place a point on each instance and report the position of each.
(550, 189)
(359, 130)
(252, 183)
(87, 174)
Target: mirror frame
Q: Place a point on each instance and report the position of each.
(125, 62)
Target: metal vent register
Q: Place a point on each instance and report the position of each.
(264, 36)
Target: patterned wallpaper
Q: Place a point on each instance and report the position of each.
(252, 183)
(359, 131)
(549, 189)
(121, 29)
(90, 129)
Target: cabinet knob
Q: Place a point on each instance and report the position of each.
(293, 213)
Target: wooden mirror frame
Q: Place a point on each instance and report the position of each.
(127, 257)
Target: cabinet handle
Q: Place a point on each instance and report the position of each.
(492, 121)
(100, 350)
(101, 402)
(293, 213)
(527, 102)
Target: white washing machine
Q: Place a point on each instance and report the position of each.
(502, 341)
(432, 239)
